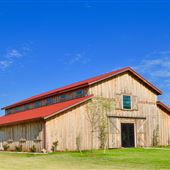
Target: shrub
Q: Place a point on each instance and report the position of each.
(155, 140)
(5, 147)
(54, 146)
(78, 143)
(33, 148)
(18, 148)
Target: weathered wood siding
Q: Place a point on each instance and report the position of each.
(164, 127)
(68, 126)
(144, 114)
(143, 105)
(15, 135)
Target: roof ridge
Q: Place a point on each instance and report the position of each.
(80, 84)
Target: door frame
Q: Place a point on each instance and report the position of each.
(117, 127)
(132, 121)
(133, 132)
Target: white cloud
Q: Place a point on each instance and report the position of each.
(5, 64)
(80, 58)
(11, 56)
(13, 53)
(156, 66)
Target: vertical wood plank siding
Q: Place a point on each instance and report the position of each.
(73, 123)
(164, 127)
(27, 134)
(67, 126)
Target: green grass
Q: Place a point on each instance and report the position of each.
(113, 159)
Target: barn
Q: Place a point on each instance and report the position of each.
(60, 115)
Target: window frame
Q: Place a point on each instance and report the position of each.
(37, 104)
(62, 97)
(123, 102)
(79, 95)
(49, 101)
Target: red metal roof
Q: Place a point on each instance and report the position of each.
(163, 106)
(42, 112)
(85, 83)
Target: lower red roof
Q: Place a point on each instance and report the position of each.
(42, 112)
(163, 106)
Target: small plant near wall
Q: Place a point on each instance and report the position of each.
(78, 143)
(102, 132)
(5, 147)
(10, 141)
(22, 140)
(156, 136)
(54, 146)
(18, 148)
(33, 148)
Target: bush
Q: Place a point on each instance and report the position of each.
(78, 143)
(33, 148)
(5, 147)
(54, 146)
(18, 148)
(155, 140)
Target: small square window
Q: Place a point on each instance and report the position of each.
(37, 104)
(26, 107)
(79, 93)
(17, 109)
(8, 111)
(62, 97)
(49, 101)
(126, 102)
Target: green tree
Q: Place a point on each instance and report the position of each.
(97, 110)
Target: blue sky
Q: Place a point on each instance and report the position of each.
(47, 44)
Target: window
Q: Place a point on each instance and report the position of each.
(79, 93)
(62, 97)
(26, 107)
(49, 101)
(126, 102)
(8, 111)
(17, 109)
(37, 104)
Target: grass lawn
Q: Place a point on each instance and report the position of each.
(112, 159)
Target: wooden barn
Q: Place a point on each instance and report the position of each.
(60, 115)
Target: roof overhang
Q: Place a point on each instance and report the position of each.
(163, 107)
(42, 113)
(86, 83)
(128, 69)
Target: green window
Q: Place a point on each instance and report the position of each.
(17, 109)
(79, 93)
(126, 102)
(37, 104)
(62, 97)
(26, 107)
(49, 101)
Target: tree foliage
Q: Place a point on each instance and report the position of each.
(97, 110)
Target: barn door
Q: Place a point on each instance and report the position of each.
(127, 135)
(141, 137)
(114, 133)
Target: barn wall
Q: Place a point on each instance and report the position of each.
(68, 126)
(124, 84)
(164, 127)
(73, 123)
(27, 134)
(143, 105)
